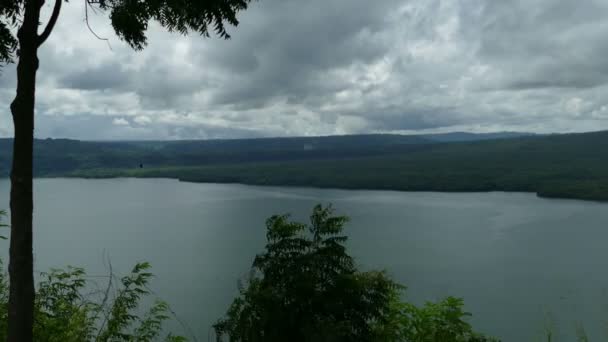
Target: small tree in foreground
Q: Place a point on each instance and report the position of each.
(305, 287)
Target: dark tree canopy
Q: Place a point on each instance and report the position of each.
(305, 287)
(130, 19)
(10, 12)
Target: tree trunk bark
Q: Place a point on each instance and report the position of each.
(21, 264)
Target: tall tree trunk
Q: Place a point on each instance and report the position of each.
(21, 265)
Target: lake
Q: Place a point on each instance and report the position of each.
(522, 264)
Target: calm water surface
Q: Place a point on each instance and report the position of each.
(521, 263)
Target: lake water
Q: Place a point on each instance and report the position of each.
(521, 263)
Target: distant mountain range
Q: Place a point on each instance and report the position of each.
(464, 136)
(60, 156)
(560, 165)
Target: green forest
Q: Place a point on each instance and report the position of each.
(563, 166)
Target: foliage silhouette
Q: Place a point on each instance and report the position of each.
(305, 287)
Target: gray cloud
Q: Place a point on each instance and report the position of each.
(394, 119)
(91, 127)
(547, 44)
(332, 67)
(100, 77)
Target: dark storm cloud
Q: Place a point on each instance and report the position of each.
(547, 44)
(333, 67)
(100, 77)
(394, 119)
(289, 47)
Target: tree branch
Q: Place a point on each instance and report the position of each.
(88, 3)
(104, 302)
(51, 24)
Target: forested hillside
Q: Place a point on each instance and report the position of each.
(566, 165)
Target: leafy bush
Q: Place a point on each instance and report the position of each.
(305, 287)
(65, 312)
(443, 321)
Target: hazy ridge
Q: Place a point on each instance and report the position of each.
(561, 165)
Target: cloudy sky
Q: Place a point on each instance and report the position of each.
(319, 67)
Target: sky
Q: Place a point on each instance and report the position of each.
(324, 67)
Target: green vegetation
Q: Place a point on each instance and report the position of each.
(564, 166)
(305, 287)
(67, 310)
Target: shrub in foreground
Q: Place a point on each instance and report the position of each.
(305, 287)
(68, 309)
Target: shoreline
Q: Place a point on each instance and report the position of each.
(539, 194)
